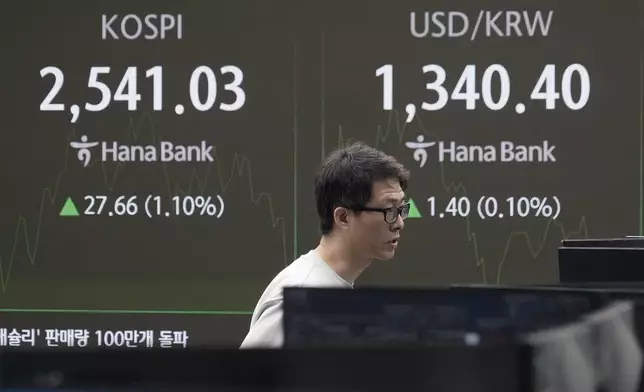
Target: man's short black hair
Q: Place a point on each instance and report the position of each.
(346, 178)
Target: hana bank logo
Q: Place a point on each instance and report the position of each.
(503, 152)
(83, 147)
(162, 151)
(419, 147)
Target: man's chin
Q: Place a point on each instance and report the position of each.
(386, 255)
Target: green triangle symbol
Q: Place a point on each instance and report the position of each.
(413, 210)
(69, 209)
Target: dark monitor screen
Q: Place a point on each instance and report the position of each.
(627, 242)
(499, 369)
(597, 295)
(601, 264)
(410, 316)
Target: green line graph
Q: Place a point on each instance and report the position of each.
(396, 126)
(126, 311)
(641, 119)
(295, 205)
(534, 247)
(241, 167)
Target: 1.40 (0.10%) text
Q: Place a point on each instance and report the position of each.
(487, 207)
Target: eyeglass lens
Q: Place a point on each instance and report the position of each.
(392, 214)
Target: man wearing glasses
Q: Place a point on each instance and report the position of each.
(361, 204)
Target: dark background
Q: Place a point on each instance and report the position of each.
(310, 84)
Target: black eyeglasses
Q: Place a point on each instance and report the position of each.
(391, 213)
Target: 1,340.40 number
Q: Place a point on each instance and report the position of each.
(466, 87)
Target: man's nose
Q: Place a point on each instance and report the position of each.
(399, 224)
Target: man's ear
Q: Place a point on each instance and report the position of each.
(341, 217)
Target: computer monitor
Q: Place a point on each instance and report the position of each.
(625, 242)
(442, 369)
(597, 296)
(374, 317)
(601, 264)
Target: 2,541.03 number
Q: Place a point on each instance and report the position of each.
(127, 89)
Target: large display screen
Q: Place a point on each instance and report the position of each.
(158, 156)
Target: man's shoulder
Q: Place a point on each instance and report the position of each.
(295, 274)
(308, 270)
